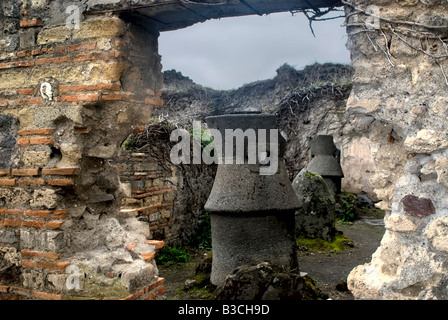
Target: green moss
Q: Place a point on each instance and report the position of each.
(168, 256)
(340, 243)
(312, 175)
(310, 290)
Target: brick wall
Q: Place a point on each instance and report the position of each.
(168, 198)
(55, 172)
(152, 193)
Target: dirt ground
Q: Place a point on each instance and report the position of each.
(327, 269)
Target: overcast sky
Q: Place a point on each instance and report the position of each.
(229, 52)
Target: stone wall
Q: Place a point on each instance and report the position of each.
(59, 197)
(70, 96)
(169, 199)
(400, 81)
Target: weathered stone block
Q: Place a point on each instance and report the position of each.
(7, 236)
(400, 223)
(71, 154)
(36, 158)
(55, 34)
(99, 28)
(426, 141)
(316, 216)
(16, 79)
(47, 198)
(437, 232)
(42, 241)
(416, 206)
(441, 167)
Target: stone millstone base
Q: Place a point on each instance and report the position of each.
(241, 238)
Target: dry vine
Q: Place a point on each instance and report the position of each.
(428, 36)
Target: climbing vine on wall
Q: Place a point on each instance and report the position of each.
(428, 37)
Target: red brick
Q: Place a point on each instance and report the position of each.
(109, 86)
(24, 63)
(82, 46)
(158, 283)
(83, 87)
(35, 100)
(30, 23)
(29, 182)
(7, 182)
(148, 256)
(7, 65)
(23, 53)
(61, 182)
(56, 266)
(161, 290)
(60, 171)
(11, 212)
(33, 224)
(26, 91)
(28, 264)
(30, 254)
(11, 222)
(62, 49)
(158, 244)
(54, 224)
(134, 296)
(46, 295)
(47, 50)
(38, 213)
(25, 172)
(31, 132)
(36, 52)
(139, 129)
(64, 88)
(41, 140)
(82, 130)
(23, 141)
(90, 56)
(59, 214)
(81, 97)
(18, 102)
(116, 97)
(52, 60)
(51, 255)
(154, 101)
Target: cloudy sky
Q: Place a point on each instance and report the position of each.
(229, 52)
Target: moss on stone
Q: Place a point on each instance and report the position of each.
(98, 287)
(340, 243)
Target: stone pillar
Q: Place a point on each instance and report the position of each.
(68, 98)
(252, 215)
(404, 89)
(324, 161)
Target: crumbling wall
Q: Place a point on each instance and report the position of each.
(168, 198)
(399, 52)
(59, 196)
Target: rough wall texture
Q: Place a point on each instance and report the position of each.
(400, 81)
(59, 197)
(306, 102)
(168, 198)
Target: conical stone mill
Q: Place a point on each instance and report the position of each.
(252, 214)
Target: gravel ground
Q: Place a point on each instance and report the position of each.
(327, 269)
